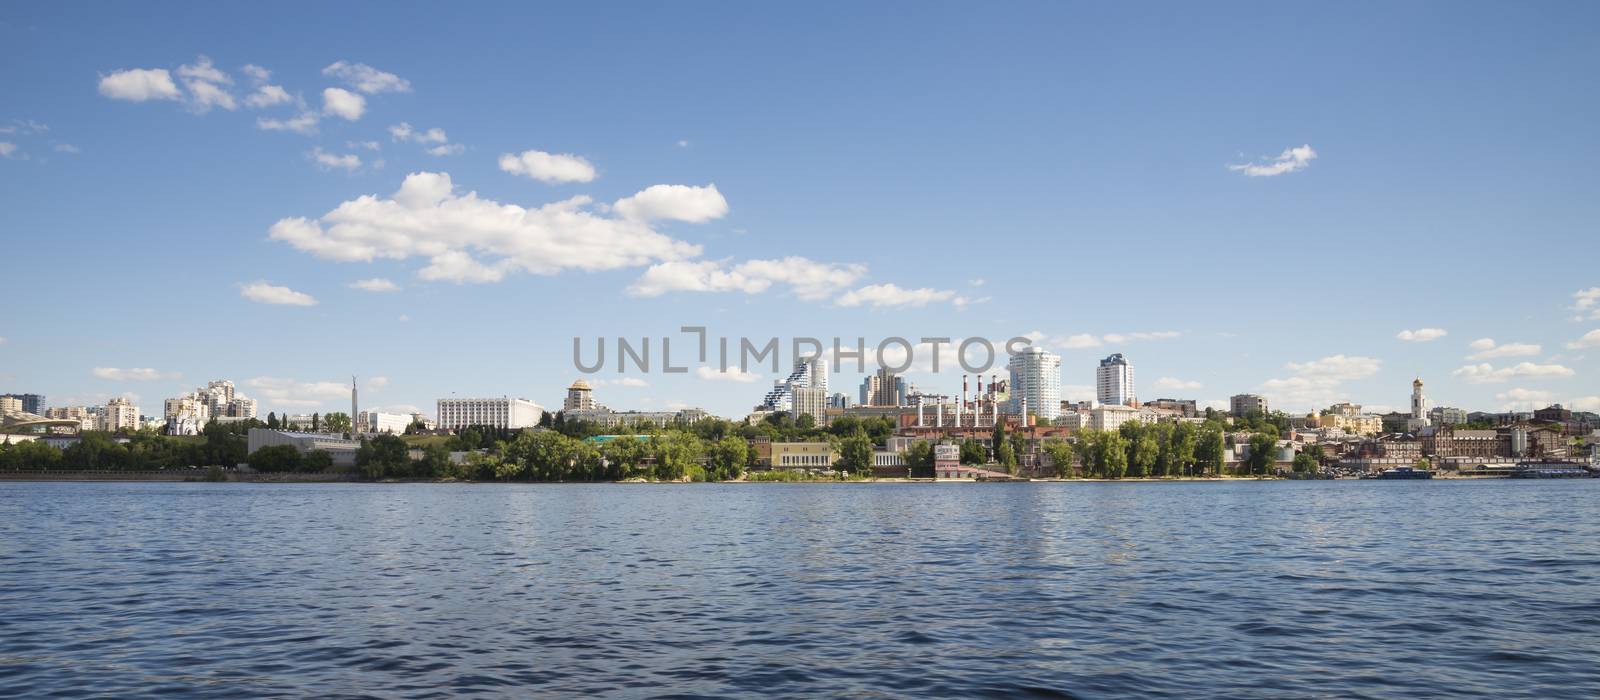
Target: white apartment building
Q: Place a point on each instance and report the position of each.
(119, 415)
(1111, 417)
(503, 412)
(1113, 381)
(1036, 383)
(378, 422)
(812, 401)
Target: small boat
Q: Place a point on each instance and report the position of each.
(1405, 473)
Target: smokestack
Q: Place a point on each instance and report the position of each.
(919, 412)
(938, 412)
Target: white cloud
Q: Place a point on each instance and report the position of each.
(1489, 350)
(631, 382)
(426, 218)
(880, 295)
(1077, 392)
(807, 279)
(289, 393)
(554, 168)
(1080, 341)
(205, 84)
(267, 96)
(1521, 398)
(377, 383)
(1175, 383)
(342, 103)
(1317, 383)
(1589, 340)
(1485, 373)
(3, 340)
(376, 284)
(134, 374)
(448, 149)
(1421, 335)
(263, 293)
(1290, 160)
(257, 73)
(403, 318)
(67, 148)
(405, 132)
(349, 162)
(1119, 338)
(1584, 403)
(24, 126)
(7, 148)
(305, 123)
(366, 78)
(140, 85)
(673, 202)
(1587, 303)
(733, 374)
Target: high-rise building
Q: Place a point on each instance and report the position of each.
(1035, 383)
(884, 388)
(1113, 381)
(120, 414)
(10, 403)
(504, 412)
(580, 397)
(1242, 404)
(810, 401)
(809, 373)
(28, 403)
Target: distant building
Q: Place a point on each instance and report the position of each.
(1244, 404)
(10, 403)
(503, 412)
(120, 414)
(186, 415)
(1186, 408)
(1445, 415)
(378, 422)
(608, 418)
(1419, 407)
(809, 373)
(580, 397)
(1035, 383)
(26, 403)
(810, 401)
(1111, 416)
(1113, 381)
(883, 388)
(803, 455)
(839, 401)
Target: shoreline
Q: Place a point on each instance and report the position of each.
(199, 476)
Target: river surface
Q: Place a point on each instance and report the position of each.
(1094, 590)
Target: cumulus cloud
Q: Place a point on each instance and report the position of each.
(1421, 335)
(550, 167)
(366, 78)
(807, 279)
(675, 203)
(447, 149)
(376, 284)
(134, 374)
(733, 374)
(263, 293)
(342, 103)
(140, 85)
(469, 239)
(1585, 403)
(1587, 303)
(348, 162)
(376, 383)
(1318, 382)
(436, 139)
(1589, 340)
(1289, 161)
(267, 96)
(1175, 383)
(1521, 398)
(1080, 341)
(290, 393)
(207, 86)
(881, 295)
(1488, 349)
(304, 123)
(1486, 373)
(7, 148)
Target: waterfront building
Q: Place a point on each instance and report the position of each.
(608, 418)
(803, 455)
(1243, 404)
(580, 397)
(87, 420)
(342, 450)
(26, 403)
(120, 414)
(1113, 381)
(810, 401)
(1111, 416)
(809, 373)
(503, 412)
(186, 415)
(1035, 383)
(10, 404)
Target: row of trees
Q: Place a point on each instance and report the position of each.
(1136, 450)
(332, 423)
(218, 445)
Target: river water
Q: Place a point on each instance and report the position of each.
(1248, 589)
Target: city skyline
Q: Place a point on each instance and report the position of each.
(287, 216)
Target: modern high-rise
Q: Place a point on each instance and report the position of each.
(1113, 381)
(809, 373)
(1036, 383)
(884, 388)
(120, 414)
(503, 412)
(1243, 404)
(28, 403)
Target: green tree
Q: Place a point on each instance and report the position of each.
(1061, 458)
(973, 452)
(674, 453)
(727, 458)
(1111, 455)
(384, 456)
(623, 456)
(316, 461)
(316, 422)
(336, 422)
(1180, 451)
(1262, 454)
(855, 454)
(272, 420)
(1006, 456)
(920, 458)
(1210, 452)
(1304, 463)
(276, 458)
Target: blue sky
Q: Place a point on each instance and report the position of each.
(940, 169)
